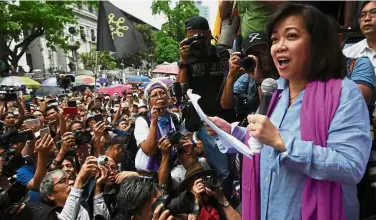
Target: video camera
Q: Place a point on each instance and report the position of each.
(64, 80)
(9, 93)
(196, 44)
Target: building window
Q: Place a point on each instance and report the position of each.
(82, 33)
(93, 38)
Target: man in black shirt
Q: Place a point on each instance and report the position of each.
(203, 67)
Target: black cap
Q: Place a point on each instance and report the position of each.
(254, 38)
(197, 22)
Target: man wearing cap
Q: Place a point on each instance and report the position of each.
(247, 86)
(204, 73)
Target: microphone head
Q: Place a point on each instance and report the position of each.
(269, 86)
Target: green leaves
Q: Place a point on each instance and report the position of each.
(29, 20)
(173, 31)
(176, 17)
(104, 59)
(166, 49)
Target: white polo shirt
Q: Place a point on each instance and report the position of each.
(361, 49)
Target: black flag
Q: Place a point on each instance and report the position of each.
(116, 33)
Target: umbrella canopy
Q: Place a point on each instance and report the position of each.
(167, 68)
(102, 80)
(165, 80)
(115, 89)
(84, 80)
(19, 81)
(49, 90)
(50, 82)
(138, 79)
(144, 84)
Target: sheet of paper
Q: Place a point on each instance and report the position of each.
(229, 140)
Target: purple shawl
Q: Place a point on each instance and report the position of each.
(322, 200)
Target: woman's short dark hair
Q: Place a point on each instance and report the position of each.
(327, 59)
(363, 4)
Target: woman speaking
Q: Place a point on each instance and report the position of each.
(316, 139)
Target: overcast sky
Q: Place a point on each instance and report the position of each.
(141, 9)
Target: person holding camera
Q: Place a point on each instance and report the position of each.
(246, 71)
(150, 129)
(203, 66)
(55, 190)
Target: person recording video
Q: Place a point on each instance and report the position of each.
(247, 69)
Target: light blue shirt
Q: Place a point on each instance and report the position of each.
(363, 72)
(344, 160)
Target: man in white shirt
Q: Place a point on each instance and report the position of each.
(366, 47)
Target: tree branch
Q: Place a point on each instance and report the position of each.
(34, 34)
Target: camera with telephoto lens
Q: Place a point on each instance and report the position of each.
(174, 137)
(102, 160)
(184, 203)
(9, 93)
(248, 63)
(82, 137)
(196, 44)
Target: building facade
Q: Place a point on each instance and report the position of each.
(39, 56)
(204, 10)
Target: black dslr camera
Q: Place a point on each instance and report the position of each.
(196, 44)
(184, 203)
(8, 93)
(211, 182)
(174, 137)
(82, 137)
(248, 63)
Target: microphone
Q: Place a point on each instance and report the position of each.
(268, 87)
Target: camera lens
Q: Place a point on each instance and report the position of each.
(249, 64)
(195, 47)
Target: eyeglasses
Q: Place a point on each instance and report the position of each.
(364, 14)
(63, 180)
(158, 95)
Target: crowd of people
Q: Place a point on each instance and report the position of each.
(146, 154)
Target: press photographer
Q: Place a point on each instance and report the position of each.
(203, 67)
(247, 70)
(185, 196)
